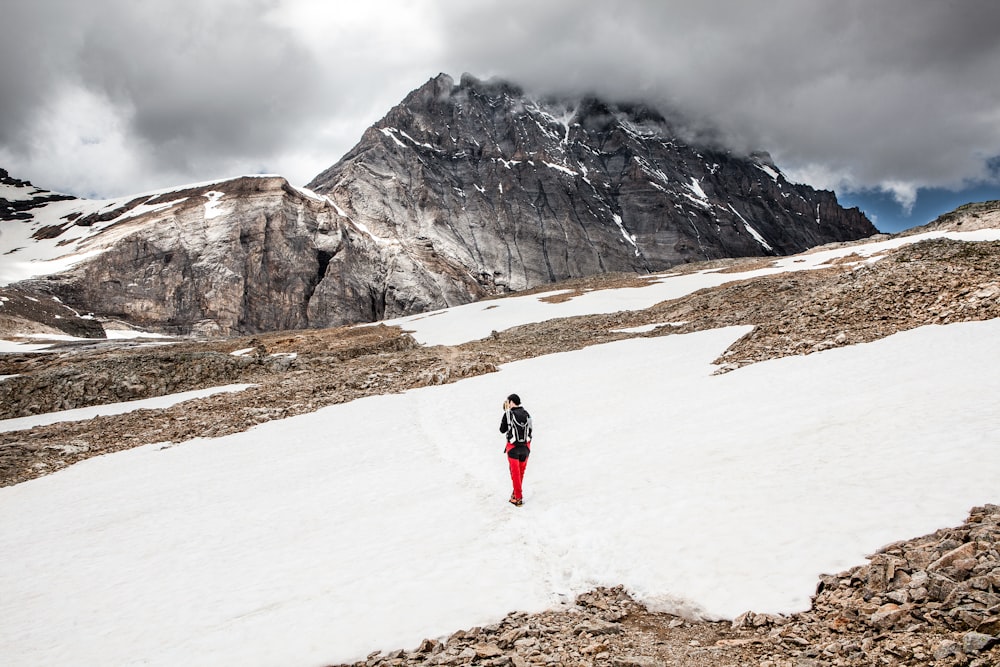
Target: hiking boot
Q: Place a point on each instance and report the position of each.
(517, 502)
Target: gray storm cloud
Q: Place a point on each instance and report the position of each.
(189, 87)
(112, 95)
(206, 82)
(854, 93)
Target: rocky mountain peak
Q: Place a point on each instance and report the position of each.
(461, 191)
(494, 88)
(518, 191)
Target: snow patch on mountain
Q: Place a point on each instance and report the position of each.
(212, 208)
(629, 238)
(753, 232)
(12, 192)
(770, 171)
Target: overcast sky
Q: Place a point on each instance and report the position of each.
(880, 100)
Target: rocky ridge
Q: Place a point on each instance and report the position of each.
(18, 198)
(247, 254)
(968, 217)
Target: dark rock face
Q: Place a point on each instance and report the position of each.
(521, 192)
(461, 191)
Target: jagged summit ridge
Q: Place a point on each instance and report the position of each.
(531, 191)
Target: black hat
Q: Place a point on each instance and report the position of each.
(515, 399)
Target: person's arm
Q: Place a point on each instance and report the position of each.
(503, 423)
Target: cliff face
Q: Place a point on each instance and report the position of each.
(522, 192)
(246, 255)
(241, 255)
(461, 191)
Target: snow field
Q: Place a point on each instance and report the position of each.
(374, 524)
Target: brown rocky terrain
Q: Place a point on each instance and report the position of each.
(968, 217)
(23, 312)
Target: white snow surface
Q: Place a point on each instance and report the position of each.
(695, 187)
(629, 238)
(559, 167)
(9, 346)
(645, 328)
(79, 414)
(753, 232)
(473, 321)
(110, 334)
(373, 524)
(212, 207)
(130, 334)
(770, 171)
(19, 192)
(390, 132)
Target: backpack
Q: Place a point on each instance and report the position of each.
(518, 433)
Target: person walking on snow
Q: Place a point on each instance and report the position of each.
(516, 425)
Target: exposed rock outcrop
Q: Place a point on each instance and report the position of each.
(243, 255)
(966, 218)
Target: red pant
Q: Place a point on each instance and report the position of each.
(517, 475)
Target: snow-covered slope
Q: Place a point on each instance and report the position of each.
(373, 524)
(25, 255)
